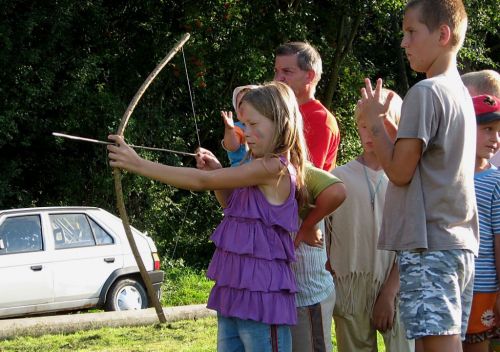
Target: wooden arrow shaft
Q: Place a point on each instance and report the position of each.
(83, 139)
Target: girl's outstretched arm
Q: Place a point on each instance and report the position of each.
(257, 172)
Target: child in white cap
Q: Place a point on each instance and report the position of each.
(234, 138)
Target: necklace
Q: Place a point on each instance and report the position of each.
(373, 192)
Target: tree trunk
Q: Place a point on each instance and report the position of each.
(341, 51)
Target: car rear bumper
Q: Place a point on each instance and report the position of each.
(157, 277)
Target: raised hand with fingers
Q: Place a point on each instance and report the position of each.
(370, 105)
(227, 117)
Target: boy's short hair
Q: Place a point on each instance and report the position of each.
(434, 13)
(394, 112)
(483, 82)
(308, 57)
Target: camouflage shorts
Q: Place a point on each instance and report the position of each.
(436, 292)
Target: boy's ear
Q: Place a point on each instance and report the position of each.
(444, 34)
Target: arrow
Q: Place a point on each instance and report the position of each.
(62, 135)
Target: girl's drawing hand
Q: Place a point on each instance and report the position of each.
(227, 117)
(206, 160)
(121, 155)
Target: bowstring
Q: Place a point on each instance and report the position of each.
(191, 98)
(199, 145)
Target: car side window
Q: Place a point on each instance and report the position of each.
(101, 236)
(21, 234)
(71, 230)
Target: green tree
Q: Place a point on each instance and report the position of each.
(73, 67)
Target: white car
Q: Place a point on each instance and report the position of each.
(71, 258)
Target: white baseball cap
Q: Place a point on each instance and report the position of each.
(237, 90)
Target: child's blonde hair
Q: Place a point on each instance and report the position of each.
(483, 82)
(277, 102)
(394, 112)
(434, 13)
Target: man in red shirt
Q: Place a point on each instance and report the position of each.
(299, 65)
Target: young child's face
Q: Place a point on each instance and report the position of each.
(259, 130)
(419, 43)
(364, 136)
(488, 139)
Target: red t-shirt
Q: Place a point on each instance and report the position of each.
(321, 133)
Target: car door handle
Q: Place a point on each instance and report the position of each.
(109, 260)
(36, 267)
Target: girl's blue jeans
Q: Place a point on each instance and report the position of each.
(234, 335)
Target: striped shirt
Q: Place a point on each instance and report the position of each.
(487, 186)
(314, 282)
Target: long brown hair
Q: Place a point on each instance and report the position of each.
(277, 102)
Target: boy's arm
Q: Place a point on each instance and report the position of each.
(325, 203)
(399, 160)
(384, 308)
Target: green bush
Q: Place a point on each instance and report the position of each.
(184, 285)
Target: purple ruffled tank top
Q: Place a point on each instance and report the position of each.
(251, 263)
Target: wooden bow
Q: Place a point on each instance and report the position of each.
(118, 183)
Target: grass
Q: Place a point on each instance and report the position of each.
(182, 286)
(188, 335)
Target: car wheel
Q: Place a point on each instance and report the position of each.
(126, 294)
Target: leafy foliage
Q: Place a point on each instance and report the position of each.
(73, 67)
(184, 285)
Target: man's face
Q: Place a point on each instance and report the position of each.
(287, 70)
